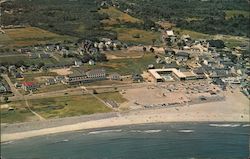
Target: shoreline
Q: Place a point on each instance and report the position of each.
(235, 109)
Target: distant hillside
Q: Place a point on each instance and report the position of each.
(209, 16)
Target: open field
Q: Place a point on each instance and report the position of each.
(123, 54)
(230, 41)
(117, 17)
(232, 13)
(127, 66)
(58, 107)
(25, 59)
(29, 36)
(127, 35)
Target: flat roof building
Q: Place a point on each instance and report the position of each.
(158, 74)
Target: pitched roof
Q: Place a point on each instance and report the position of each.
(27, 84)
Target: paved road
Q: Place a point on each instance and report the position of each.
(12, 87)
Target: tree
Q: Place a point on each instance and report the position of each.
(153, 41)
(86, 57)
(6, 99)
(40, 64)
(152, 50)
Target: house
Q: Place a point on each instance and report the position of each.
(23, 68)
(50, 81)
(12, 68)
(209, 62)
(151, 66)
(170, 33)
(33, 56)
(200, 73)
(96, 73)
(79, 76)
(137, 78)
(3, 69)
(2, 88)
(18, 76)
(115, 76)
(43, 56)
(169, 52)
(78, 63)
(91, 62)
(216, 73)
(159, 61)
(182, 56)
(29, 86)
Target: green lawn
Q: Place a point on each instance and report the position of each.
(30, 36)
(58, 107)
(232, 13)
(127, 66)
(127, 35)
(230, 41)
(25, 59)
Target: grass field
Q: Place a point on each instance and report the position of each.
(59, 107)
(232, 13)
(126, 54)
(145, 37)
(230, 41)
(117, 17)
(25, 59)
(29, 36)
(127, 66)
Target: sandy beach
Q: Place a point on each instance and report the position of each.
(234, 109)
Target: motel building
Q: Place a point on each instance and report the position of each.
(171, 74)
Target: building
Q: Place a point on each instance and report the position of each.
(50, 81)
(91, 62)
(115, 76)
(182, 56)
(29, 86)
(170, 74)
(2, 88)
(78, 63)
(79, 76)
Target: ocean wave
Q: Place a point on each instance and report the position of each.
(152, 131)
(225, 125)
(145, 131)
(186, 131)
(246, 125)
(104, 131)
(6, 143)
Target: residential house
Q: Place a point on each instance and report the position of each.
(79, 76)
(29, 86)
(2, 88)
(18, 75)
(115, 76)
(43, 55)
(137, 78)
(50, 81)
(78, 63)
(91, 62)
(182, 56)
(96, 74)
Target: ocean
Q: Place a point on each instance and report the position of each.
(150, 141)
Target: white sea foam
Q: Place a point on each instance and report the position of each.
(136, 131)
(225, 125)
(145, 131)
(246, 125)
(152, 131)
(104, 131)
(6, 143)
(186, 131)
